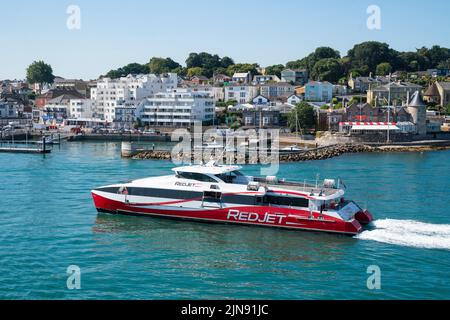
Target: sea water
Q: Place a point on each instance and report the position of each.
(48, 224)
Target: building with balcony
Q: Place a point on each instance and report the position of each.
(176, 108)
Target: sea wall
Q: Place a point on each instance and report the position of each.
(314, 154)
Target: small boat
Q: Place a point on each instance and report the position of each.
(209, 146)
(222, 194)
(48, 141)
(291, 148)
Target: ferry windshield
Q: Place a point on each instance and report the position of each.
(233, 177)
(195, 176)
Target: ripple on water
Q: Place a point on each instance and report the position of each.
(47, 222)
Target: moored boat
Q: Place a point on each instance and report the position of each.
(221, 193)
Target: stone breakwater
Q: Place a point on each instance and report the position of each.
(321, 153)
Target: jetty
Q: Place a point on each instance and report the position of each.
(24, 150)
(13, 148)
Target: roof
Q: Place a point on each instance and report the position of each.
(375, 127)
(416, 100)
(240, 74)
(209, 168)
(200, 77)
(445, 85)
(432, 91)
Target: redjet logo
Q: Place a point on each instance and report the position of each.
(272, 218)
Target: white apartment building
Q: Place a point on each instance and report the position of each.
(176, 108)
(216, 92)
(241, 93)
(81, 108)
(111, 93)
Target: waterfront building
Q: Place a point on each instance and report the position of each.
(81, 108)
(216, 92)
(72, 84)
(340, 90)
(43, 99)
(329, 119)
(432, 94)
(294, 99)
(263, 79)
(9, 109)
(396, 92)
(295, 76)
(125, 116)
(221, 78)
(57, 109)
(176, 108)
(318, 91)
(277, 90)
(242, 77)
(111, 93)
(261, 117)
(362, 84)
(418, 111)
(199, 80)
(261, 100)
(240, 93)
(444, 93)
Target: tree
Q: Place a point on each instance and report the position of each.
(383, 69)
(275, 70)
(309, 61)
(41, 73)
(243, 67)
(447, 109)
(368, 55)
(132, 68)
(162, 65)
(196, 71)
(329, 69)
(208, 62)
(302, 116)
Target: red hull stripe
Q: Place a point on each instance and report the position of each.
(254, 215)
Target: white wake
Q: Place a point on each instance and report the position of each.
(409, 233)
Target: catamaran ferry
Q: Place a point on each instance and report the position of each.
(221, 193)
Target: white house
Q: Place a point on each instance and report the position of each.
(294, 99)
(242, 77)
(241, 93)
(260, 100)
(81, 108)
(111, 93)
(274, 90)
(176, 108)
(263, 79)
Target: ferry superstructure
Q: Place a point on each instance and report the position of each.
(222, 194)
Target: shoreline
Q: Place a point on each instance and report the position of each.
(321, 153)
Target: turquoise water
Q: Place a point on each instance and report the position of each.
(48, 222)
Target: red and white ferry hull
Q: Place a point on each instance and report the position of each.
(267, 216)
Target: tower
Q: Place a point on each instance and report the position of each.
(418, 111)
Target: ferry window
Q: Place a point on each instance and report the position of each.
(195, 176)
(286, 201)
(212, 195)
(229, 177)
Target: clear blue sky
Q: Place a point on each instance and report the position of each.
(114, 33)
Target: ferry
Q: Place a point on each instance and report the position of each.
(222, 194)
